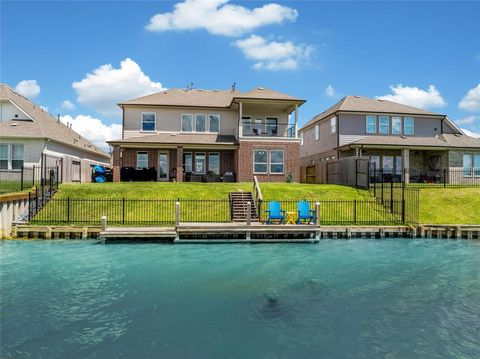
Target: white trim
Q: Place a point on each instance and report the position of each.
(253, 162)
(366, 124)
(317, 132)
(155, 123)
(17, 106)
(333, 120)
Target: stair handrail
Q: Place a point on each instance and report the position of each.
(257, 194)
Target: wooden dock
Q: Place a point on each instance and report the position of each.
(242, 233)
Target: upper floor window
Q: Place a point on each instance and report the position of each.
(371, 124)
(317, 132)
(408, 126)
(214, 122)
(333, 125)
(301, 139)
(187, 122)
(257, 127)
(271, 126)
(200, 123)
(396, 125)
(148, 121)
(142, 160)
(247, 125)
(384, 125)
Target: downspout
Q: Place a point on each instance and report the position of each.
(123, 121)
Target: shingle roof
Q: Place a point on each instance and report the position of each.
(443, 140)
(182, 138)
(366, 104)
(43, 125)
(207, 98)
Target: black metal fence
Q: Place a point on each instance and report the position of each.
(352, 212)
(131, 211)
(28, 177)
(446, 178)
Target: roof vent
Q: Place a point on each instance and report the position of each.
(14, 124)
(403, 137)
(356, 96)
(458, 135)
(260, 88)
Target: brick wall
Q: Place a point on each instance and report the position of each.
(116, 164)
(245, 161)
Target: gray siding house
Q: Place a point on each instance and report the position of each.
(29, 137)
(397, 139)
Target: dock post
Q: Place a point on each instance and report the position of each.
(104, 223)
(48, 232)
(458, 232)
(382, 233)
(349, 233)
(317, 212)
(249, 213)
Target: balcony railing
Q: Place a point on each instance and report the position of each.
(255, 129)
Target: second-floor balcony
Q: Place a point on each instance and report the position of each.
(267, 128)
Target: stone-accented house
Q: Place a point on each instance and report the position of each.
(208, 135)
(29, 136)
(395, 137)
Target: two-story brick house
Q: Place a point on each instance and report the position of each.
(209, 135)
(395, 137)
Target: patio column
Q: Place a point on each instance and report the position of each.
(406, 164)
(116, 164)
(240, 115)
(296, 121)
(179, 164)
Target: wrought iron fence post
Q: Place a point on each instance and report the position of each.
(36, 199)
(374, 179)
(68, 209)
(21, 178)
(29, 205)
(56, 177)
(355, 211)
(444, 178)
(391, 196)
(33, 176)
(381, 174)
(123, 210)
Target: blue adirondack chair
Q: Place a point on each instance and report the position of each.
(275, 213)
(305, 213)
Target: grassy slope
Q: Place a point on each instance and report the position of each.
(205, 190)
(449, 206)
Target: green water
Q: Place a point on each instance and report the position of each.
(336, 299)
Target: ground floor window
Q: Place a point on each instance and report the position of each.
(389, 164)
(276, 161)
(11, 156)
(187, 162)
(214, 162)
(260, 161)
(471, 165)
(200, 162)
(271, 161)
(142, 160)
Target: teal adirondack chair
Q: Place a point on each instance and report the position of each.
(275, 213)
(305, 213)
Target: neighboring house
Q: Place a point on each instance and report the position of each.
(209, 135)
(29, 137)
(395, 137)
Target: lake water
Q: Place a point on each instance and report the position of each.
(336, 299)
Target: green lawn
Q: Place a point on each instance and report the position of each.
(11, 187)
(450, 205)
(205, 190)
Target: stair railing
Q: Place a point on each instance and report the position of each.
(257, 195)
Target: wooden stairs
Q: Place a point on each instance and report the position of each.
(238, 201)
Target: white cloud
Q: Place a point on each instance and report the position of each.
(330, 91)
(105, 86)
(469, 120)
(220, 18)
(274, 55)
(67, 105)
(471, 101)
(414, 96)
(471, 133)
(94, 129)
(28, 88)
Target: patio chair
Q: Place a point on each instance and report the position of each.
(275, 213)
(305, 213)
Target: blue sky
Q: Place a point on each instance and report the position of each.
(425, 54)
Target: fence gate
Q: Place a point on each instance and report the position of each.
(76, 171)
(310, 177)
